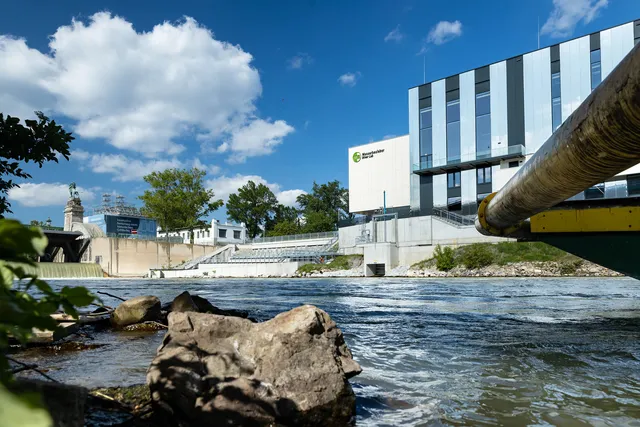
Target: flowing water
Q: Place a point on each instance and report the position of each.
(434, 352)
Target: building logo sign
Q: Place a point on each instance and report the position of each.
(357, 156)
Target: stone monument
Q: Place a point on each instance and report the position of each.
(73, 211)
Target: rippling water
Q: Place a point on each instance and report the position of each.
(434, 352)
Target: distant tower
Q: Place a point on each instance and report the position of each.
(73, 211)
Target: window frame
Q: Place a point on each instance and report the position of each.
(455, 183)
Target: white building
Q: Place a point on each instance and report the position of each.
(218, 234)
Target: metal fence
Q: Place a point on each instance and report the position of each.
(307, 236)
(170, 239)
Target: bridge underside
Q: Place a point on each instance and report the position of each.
(67, 242)
(604, 231)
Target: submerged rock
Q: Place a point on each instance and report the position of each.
(136, 310)
(185, 302)
(221, 370)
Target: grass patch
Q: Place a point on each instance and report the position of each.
(341, 262)
(480, 255)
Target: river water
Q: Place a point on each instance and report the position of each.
(433, 352)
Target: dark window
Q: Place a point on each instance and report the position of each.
(633, 185)
(222, 232)
(555, 85)
(596, 72)
(236, 234)
(453, 131)
(556, 104)
(636, 41)
(595, 192)
(556, 113)
(453, 179)
(208, 233)
(483, 125)
(454, 203)
(514, 164)
(484, 175)
(426, 139)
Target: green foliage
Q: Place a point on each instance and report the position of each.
(324, 206)
(284, 228)
(178, 200)
(36, 141)
(509, 252)
(445, 258)
(21, 311)
(341, 262)
(477, 255)
(318, 222)
(253, 205)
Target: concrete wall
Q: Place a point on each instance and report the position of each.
(132, 257)
(275, 269)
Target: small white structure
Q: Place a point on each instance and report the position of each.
(217, 234)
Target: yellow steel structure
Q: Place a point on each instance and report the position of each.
(590, 220)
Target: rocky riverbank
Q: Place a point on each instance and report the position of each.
(518, 269)
(220, 367)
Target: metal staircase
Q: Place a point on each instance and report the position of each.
(454, 219)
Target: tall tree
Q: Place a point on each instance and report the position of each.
(330, 199)
(281, 214)
(178, 200)
(36, 141)
(254, 205)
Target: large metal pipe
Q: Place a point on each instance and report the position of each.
(599, 140)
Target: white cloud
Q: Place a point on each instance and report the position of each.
(33, 195)
(258, 138)
(394, 35)
(389, 136)
(349, 79)
(444, 31)
(288, 197)
(209, 169)
(223, 186)
(306, 124)
(140, 91)
(566, 14)
(124, 168)
(299, 61)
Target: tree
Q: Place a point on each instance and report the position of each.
(178, 200)
(27, 302)
(283, 214)
(318, 222)
(253, 205)
(37, 141)
(329, 199)
(284, 228)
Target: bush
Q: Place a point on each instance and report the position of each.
(477, 256)
(445, 258)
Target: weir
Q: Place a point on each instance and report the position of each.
(57, 270)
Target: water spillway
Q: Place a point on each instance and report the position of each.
(63, 270)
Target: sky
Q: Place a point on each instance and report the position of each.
(274, 92)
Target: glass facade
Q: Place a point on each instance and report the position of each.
(481, 197)
(453, 179)
(596, 71)
(484, 175)
(556, 104)
(453, 131)
(595, 192)
(426, 139)
(483, 125)
(454, 203)
(633, 185)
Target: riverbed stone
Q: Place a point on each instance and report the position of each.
(222, 370)
(183, 303)
(136, 310)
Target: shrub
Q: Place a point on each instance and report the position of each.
(445, 258)
(477, 255)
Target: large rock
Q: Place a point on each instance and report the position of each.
(186, 302)
(136, 310)
(221, 370)
(183, 303)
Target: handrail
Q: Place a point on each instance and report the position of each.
(306, 236)
(454, 217)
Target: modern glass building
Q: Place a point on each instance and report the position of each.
(470, 133)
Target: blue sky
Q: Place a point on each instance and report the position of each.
(270, 91)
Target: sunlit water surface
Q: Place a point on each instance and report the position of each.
(433, 352)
